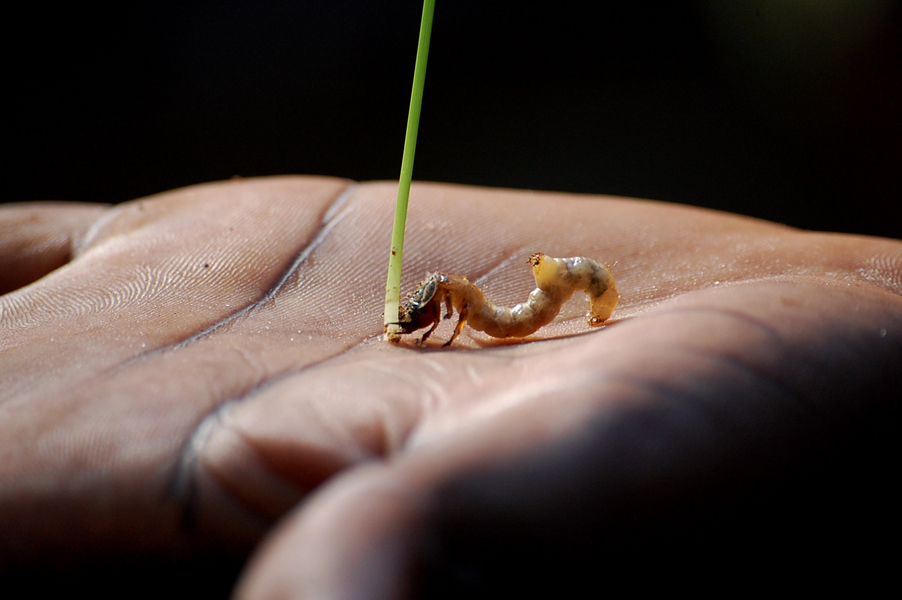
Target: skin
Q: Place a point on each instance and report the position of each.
(204, 380)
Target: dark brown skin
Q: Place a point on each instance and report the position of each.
(211, 360)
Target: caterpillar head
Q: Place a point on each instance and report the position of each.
(421, 308)
(547, 271)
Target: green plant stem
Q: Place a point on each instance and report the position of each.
(393, 284)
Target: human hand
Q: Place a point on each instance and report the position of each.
(211, 360)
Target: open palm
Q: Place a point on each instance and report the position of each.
(209, 360)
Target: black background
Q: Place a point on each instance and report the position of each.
(758, 107)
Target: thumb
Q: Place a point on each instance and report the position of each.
(358, 538)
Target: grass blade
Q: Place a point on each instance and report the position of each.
(393, 283)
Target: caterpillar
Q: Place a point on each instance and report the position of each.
(556, 281)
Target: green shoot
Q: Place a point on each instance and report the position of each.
(393, 284)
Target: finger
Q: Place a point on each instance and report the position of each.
(37, 238)
(671, 433)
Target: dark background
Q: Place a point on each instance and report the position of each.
(788, 111)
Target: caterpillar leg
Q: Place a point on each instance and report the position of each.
(438, 317)
(448, 307)
(460, 325)
(428, 333)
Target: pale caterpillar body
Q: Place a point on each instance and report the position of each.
(556, 281)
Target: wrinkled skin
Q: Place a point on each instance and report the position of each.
(188, 368)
